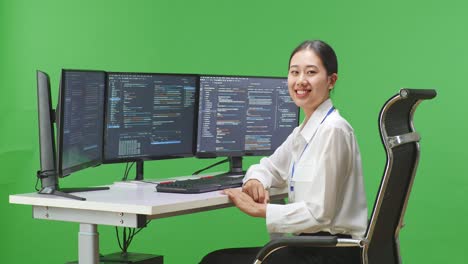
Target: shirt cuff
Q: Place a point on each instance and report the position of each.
(273, 217)
(256, 176)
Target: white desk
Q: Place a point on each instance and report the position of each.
(124, 205)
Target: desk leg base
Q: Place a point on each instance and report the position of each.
(132, 258)
(129, 258)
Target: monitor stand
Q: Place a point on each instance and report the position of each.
(235, 167)
(65, 192)
(50, 187)
(139, 170)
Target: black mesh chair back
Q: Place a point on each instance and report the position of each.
(401, 143)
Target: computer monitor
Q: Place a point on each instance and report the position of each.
(46, 120)
(241, 115)
(149, 116)
(80, 120)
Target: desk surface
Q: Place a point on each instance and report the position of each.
(125, 205)
(136, 198)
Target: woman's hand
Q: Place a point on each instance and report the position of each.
(255, 189)
(245, 203)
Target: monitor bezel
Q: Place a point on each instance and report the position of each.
(215, 154)
(60, 119)
(152, 157)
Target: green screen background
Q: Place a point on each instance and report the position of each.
(382, 47)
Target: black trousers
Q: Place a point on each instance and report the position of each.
(323, 255)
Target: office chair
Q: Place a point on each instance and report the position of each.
(380, 244)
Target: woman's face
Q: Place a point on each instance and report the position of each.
(308, 82)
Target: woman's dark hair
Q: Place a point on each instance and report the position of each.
(321, 49)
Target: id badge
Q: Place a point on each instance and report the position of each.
(291, 192)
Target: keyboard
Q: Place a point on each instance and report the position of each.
(201, 185)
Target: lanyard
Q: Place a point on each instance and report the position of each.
(300, 156)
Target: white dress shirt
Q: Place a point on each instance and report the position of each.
(328, 189)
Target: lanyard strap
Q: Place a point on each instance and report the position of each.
(307, 144)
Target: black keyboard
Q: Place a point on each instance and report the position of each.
(201, 185)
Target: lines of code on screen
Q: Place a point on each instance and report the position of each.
(83, 118)
(149, 115)
(239, 115)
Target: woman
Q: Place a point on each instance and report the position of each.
(321, 164)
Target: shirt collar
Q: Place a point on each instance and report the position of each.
(309, 128)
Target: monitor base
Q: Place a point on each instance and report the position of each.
(65, 192)
(231, 173)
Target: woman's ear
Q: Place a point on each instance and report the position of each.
(333, 78)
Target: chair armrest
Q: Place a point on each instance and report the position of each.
(418, 94)
(297, 241)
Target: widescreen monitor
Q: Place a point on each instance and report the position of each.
(149, 116)
(46, 122)
(80, 120)
(242, 115)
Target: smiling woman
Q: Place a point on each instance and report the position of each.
(319, 162)
(311, 78)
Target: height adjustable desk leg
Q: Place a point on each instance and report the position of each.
(88, 244)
